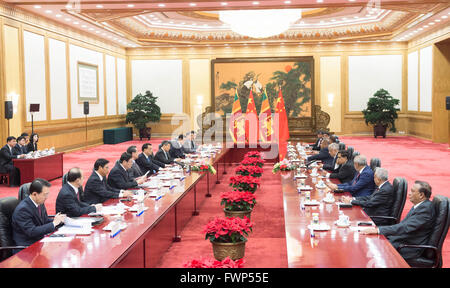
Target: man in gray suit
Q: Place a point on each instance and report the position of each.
(135, 171)
(416, 228)
(189, 145)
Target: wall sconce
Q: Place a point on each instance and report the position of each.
(330, 99)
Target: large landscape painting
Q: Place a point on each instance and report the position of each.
(293, 75)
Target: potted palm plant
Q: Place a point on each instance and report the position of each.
(381, 112)
(143, 109)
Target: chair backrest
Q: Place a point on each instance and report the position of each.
(7, 206)
(64, 179)
(341, 146)
(350, 152)
(440, 228)
(374, 163)
(400, 191)
(24, 191)
(356, 153)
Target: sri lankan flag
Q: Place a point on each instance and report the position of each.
(237, 121)
(266, 128)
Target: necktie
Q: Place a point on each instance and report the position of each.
(356, 179)
(40, 212)
(192, 144)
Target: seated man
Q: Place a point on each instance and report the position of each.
(163, 154)
(68, 200)
(323, 155)
(97, 189)
(189, 145)
(362, 184)
(6, 162)
(176, 147)
(118, 177)
(380, 202)
(135, 171)
(145, 161)
(346, 170)
(333, 149)
(316, 146)
(416, 227)
(20, 147)
(30, 222)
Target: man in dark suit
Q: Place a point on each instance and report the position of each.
(323, 155)
(68, 200)
(189, 145)
(380, 202)
(97, 189)
(316, 146)
(333, 149)
(362, 184)
(176, 147)
(20, 148)
(163, 154)
(118, 177)
(346, 170)
(416, 227)
(6, 163)
(30, 222)
(145, 161)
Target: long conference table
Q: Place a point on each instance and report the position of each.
(148, 236)
(337, 247)
(47, 167)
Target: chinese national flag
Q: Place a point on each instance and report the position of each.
(251, 122)
(266, 129)
(282, 125)
(237, 121)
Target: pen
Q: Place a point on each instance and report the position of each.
(115, 233)
(157, 198)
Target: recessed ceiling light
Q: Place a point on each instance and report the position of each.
(37, 7)
(84, 26)
(130, 5)
(192, 4)
(224, 3)
(76, 23)
(352, 0)
(58, 15)
(444, 17)
(287, 2)
(97, 31)
(48, 11)
(161, 5)
(356, 17)
(319, 1)
(431, 23)
(68, 19)
(255, 3)
(426, 26)
(68, 6)
(99, 6)
(91, 29)
(437, 20)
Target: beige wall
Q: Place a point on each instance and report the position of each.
(63, 134)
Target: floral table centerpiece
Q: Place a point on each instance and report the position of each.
(228, 236)
(204, 168)
(284, 165)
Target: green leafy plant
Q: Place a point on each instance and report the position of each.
(143, 110)
(381, 110)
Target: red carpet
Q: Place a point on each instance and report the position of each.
(408, 157)
(266, 246)
(413, 159)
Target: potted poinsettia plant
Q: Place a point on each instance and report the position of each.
(254, 154)
(254, 171)
(254, 161)
(284, 165)
(381, 112)
(212, 263)
(237, 203)
(244, 183)
(228, 236)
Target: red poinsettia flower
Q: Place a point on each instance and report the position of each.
(212, 263)
(249, 170)
(255, 154)
(228, 229)
(244, 183)
(238, 201)
(253, 161)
